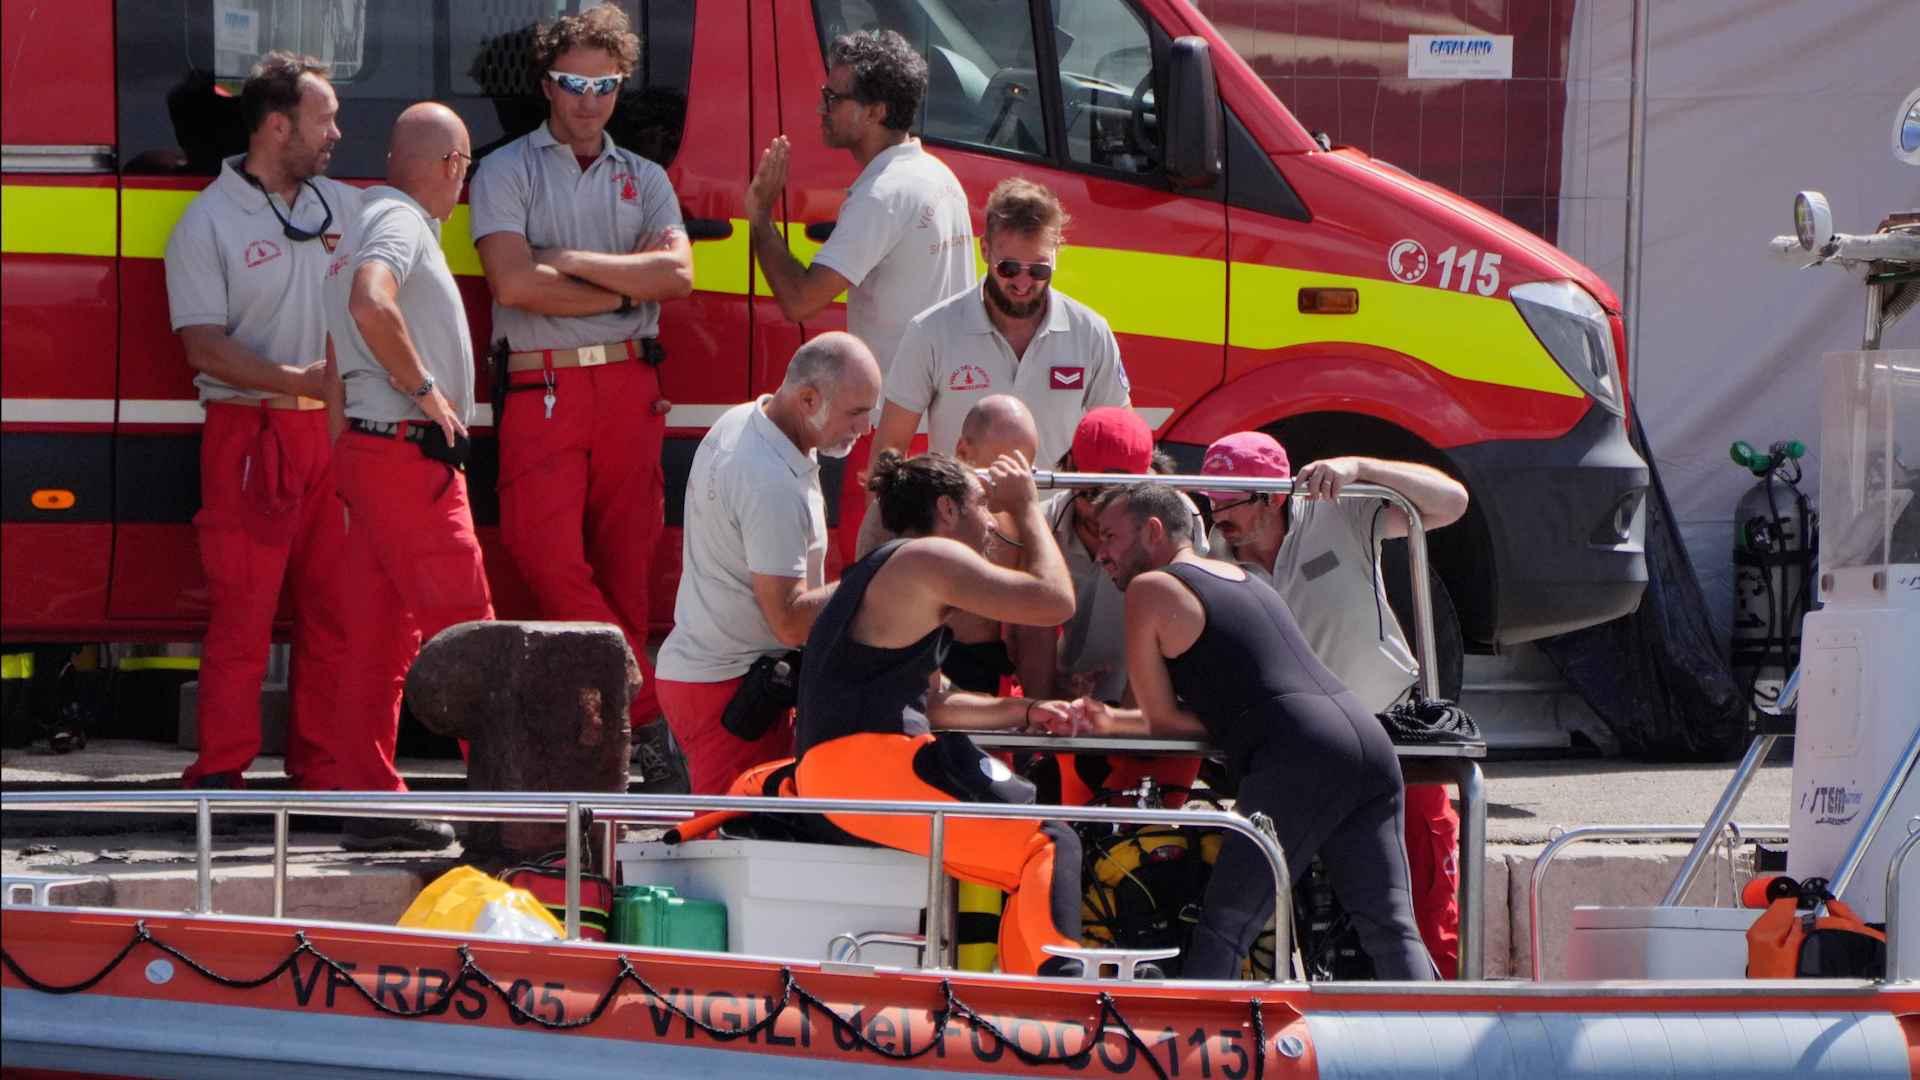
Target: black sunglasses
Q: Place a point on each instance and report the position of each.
(1039, 271)
(832, 97)
(289, 229)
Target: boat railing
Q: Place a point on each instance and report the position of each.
(1896, 866)
(579, 809)
(1736, 834)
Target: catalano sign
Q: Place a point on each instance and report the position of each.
(1460, 56)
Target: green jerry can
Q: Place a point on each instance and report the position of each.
(655, 915)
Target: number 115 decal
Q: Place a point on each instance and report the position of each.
(1486, 282)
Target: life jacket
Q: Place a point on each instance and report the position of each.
(1786, 942)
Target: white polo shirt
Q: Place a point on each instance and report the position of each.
(533, 186)
(399, 234)
(952, 356)
(1328, 573)
(229, 263)
(753, 506)
(904, 242)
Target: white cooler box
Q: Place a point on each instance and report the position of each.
(790, 900)
(1659, 943)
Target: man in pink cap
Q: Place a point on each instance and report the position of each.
(1322, 555)
(1087, 656)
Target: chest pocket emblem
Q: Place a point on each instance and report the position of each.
(968, 377)
(261, 251)
(1067, 378)
(628, 191)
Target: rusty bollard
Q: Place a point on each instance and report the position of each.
(543, 707)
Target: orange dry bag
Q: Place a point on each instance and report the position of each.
(1786, 942)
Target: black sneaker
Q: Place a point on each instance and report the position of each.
(395, 834)
(659, 768)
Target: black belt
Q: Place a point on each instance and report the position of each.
(415, 429)
(423, 433)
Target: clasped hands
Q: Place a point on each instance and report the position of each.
(1081, 716)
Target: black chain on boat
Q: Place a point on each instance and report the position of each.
(1109, 1019)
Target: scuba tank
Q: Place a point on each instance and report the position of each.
(1775, 537)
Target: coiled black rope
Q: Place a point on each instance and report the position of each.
(1110, 1017)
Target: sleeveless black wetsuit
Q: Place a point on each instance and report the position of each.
(1313, 759)
(847, 687)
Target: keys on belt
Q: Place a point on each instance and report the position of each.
(547, 361)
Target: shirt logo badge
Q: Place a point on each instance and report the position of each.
(331, 240)
(1067, 378)
(629, 191)
(261, 251)
(968, 377)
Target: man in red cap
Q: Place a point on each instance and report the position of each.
(1087, 656)
(1322, 555)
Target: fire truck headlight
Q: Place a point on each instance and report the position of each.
(1573, 328)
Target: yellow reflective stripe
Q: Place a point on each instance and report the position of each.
(16, 666)
(39, 220)
(1481, 338)
(720, 266)
(148, 216)
(1145, 293)
(160, 663)
(456, 243)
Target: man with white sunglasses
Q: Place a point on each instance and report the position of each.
(581, 240)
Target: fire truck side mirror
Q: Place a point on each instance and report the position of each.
(1192, 115)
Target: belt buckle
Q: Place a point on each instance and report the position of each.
(591, 355)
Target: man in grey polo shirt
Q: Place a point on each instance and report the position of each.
(413, 564)
(1011, 334)
(754, 550)
(244, 270)
(581, 240)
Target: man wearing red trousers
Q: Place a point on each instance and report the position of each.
(244, 271)
(413, 564)
(581, 240)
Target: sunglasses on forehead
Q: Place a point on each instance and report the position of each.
(580, 84)
(1038, 271)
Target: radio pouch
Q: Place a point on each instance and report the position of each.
(770, 688)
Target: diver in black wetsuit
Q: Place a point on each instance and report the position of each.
(1213, 653)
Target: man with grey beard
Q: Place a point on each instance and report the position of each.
(752, 575)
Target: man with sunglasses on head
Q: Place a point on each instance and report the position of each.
(245, 265)
(903, 242)
(581, 240)
(1321, 553)
(1013, 334)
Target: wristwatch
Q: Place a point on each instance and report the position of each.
(626, 305)
(425, 389)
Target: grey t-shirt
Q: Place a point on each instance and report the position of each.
(1328, 573)
(753, 507)
(230, 264)
(534, 187)
(395, 232)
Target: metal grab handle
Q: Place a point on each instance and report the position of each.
(1616, 832)
(1757, 752)
(1126, 962)
(1424, 648)
(845, 948)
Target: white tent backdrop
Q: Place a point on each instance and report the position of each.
(1749, 101)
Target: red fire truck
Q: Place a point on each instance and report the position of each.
(1256, 276)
